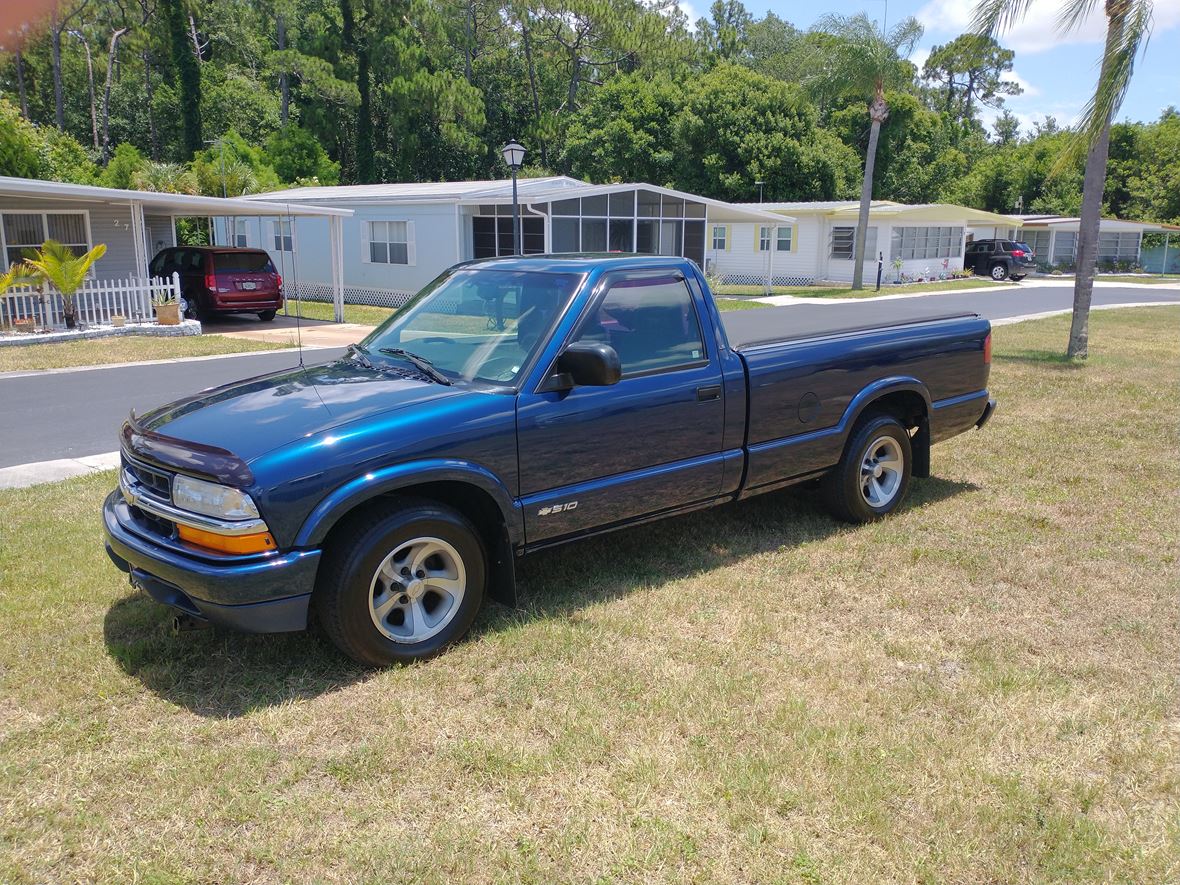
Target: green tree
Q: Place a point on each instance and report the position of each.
(723, 34)
(19, 141)
(166, 178)
(188, 81)
(738, 127)
(231, 167)
(1154, 180)
(1006, 128)
(968, 71)
(626, 131)
(123, 167)
(864, 61)
(296, 154)
(1128, 23)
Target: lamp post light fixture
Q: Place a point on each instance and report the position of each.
(760, 185)
(513, 153)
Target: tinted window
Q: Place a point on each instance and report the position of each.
(651, 323)
(1009, 246)
(156, 268)
(243, 262)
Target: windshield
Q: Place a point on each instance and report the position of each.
(477, 324)
(243, 262)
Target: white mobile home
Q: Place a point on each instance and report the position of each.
(401, 236)
(819, 244)
(1054, 239)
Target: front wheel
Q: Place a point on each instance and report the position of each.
(999, 272)
(872, 478)
(401, 585)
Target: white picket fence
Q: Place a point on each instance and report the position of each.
(94, 304)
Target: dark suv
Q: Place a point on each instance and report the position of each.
(1000, 259)
(218, 279)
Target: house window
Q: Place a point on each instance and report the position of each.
(782, 239)
(389, 242)
(844, 243)
(240, 232)
(1038, 241)
(926, 243)
(1065, 247)
(720, 237)
(284, 240)
(1118, 246)
(29, 230)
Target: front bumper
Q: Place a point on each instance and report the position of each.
(266, 593)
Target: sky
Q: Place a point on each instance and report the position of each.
(1058, 73)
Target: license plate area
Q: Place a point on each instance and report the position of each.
(249, 287)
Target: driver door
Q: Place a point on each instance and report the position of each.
(591, 457)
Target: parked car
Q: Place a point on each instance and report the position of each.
(220, 280)
(1000, 259)
(515, 404)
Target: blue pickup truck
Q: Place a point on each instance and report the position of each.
(515, 404)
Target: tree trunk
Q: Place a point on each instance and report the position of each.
(528, 57)
(468, 38)
(878, 111)
(116, 35)
(20, 84)
(1093, 185)
(90, 83)
(365, 169)
(192, 31)
(153, 136)
(188, 77)
(284, 79)
(59, 106)
(572, 98)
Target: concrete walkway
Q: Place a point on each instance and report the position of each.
(284, 330)
(1039, 282)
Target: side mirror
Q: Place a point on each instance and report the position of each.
(586, 364)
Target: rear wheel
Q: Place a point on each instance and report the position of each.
(401, 585)
(999, 272)
(266, 315)
(1016, 278)
(872, 478)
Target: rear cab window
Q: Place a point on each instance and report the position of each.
(651, 322)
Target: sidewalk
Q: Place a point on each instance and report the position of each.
(1040, 282)
(313, 333)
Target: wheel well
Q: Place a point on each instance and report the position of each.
(475, 504)
(908, 407)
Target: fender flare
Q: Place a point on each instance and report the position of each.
(370, 485)
(883, 387)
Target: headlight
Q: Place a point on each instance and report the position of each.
(212, 499)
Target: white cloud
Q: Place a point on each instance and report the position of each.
(919, 57)
(1030, 91)
(690, 13)
(1037, 31)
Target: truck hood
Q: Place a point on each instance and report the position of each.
(254, 416)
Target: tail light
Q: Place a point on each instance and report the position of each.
(1018, 253)
(279, 280)
(987, 349)
(211, 281)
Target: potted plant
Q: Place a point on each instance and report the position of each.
(58, 266)
(167, 310)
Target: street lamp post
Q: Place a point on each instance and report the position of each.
(514, 156)
(760, 185)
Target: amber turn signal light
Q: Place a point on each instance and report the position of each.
(258, 542)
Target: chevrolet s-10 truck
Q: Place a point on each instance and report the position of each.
(514, 404)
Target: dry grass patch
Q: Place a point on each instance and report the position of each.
(982, 689)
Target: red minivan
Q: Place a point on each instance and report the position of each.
(220, 279)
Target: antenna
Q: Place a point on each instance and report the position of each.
(295, 279)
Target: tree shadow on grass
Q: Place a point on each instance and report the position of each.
(219, 673)
(1050, 358)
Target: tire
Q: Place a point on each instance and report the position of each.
(266, 315)
(367, 606)
(999, 272)
(1016, 278)
(863, 487)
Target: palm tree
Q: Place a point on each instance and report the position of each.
(18, 274)
(864, 60)
(166, 178)
(57, 265)
(1128, 25)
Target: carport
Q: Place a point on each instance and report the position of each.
(135, 225)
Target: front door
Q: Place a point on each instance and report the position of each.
(596, 456)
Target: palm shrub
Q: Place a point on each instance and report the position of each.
(16, 275)
(58, 266)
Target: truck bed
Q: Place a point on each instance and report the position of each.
(774, 325)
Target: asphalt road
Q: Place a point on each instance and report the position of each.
(73, 414)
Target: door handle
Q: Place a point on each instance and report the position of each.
(708, 394)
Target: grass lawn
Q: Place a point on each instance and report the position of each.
(867, 292)
(353, 313)
(1166, 280)
(981, 689)
(128, 349)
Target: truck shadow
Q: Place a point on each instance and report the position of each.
(222, 674)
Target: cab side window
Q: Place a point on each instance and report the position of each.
(651, 323)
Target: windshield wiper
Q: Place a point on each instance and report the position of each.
(355, 350)
(425, 365)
